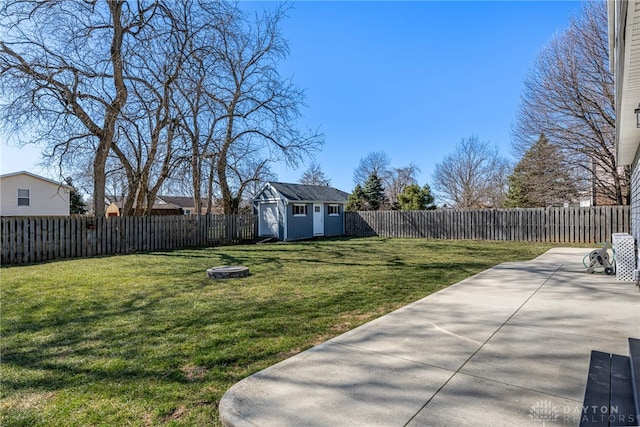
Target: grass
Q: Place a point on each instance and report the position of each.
(148, 339)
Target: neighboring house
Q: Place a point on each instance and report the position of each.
(160, 207)
(598, 197)
(27, 194)
(186, 204)
(624, 59)
(164, 205)
(297, 211)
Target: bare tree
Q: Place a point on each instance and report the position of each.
(147, 144)
(375, 163)
(393, 180)
(147, 87)
(198, 110)
(314, 175)
(473, 176)
(399, 179)
(198, 116)
(260, 109)
(62, 69)
(569, 97)
(237, 114)
(244, 169)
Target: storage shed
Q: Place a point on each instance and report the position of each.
(299, 211)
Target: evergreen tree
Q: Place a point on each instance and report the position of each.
(541, 178)
(77, 206)
(415, 198)
(374, 193)
(357, 199)
(515, 196)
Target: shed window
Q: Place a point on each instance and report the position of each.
(299, 210)
(334, 210)
(23, 197)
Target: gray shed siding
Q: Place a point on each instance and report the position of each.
(281, 222)
(270, 219)
(299, 227)
(291, 227)
(333, 225)
(268, 196)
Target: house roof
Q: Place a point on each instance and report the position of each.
(309, 193)
(114, 199)
(174, 201)
(183, 201)
(33, 175)
(156, 206)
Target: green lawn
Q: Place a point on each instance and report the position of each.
(149, 340)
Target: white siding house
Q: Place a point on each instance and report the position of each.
(624, 59)
(27, 194)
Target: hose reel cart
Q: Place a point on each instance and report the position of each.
(600, 258)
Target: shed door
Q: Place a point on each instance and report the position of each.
(268, 225)
(318, 220)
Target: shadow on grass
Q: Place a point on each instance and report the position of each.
(150, 335)
(146, 330)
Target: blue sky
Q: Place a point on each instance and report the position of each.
(407, 78)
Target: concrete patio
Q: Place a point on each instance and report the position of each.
(507, 347)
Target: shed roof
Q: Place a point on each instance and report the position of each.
(309, 193)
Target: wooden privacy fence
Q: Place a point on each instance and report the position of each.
(556, 225)
(34, 239)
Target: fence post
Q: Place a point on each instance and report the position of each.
(31, 239)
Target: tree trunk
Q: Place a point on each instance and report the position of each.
(113, 110)
(99, 175)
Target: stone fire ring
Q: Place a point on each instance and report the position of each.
(228, 272)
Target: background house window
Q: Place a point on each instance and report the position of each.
(299, 210)
(334, 210)
(23, 197)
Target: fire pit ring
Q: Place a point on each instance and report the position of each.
(228, 272)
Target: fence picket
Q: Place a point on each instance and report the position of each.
(555, 225)
(36, 239)
(33, 239)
